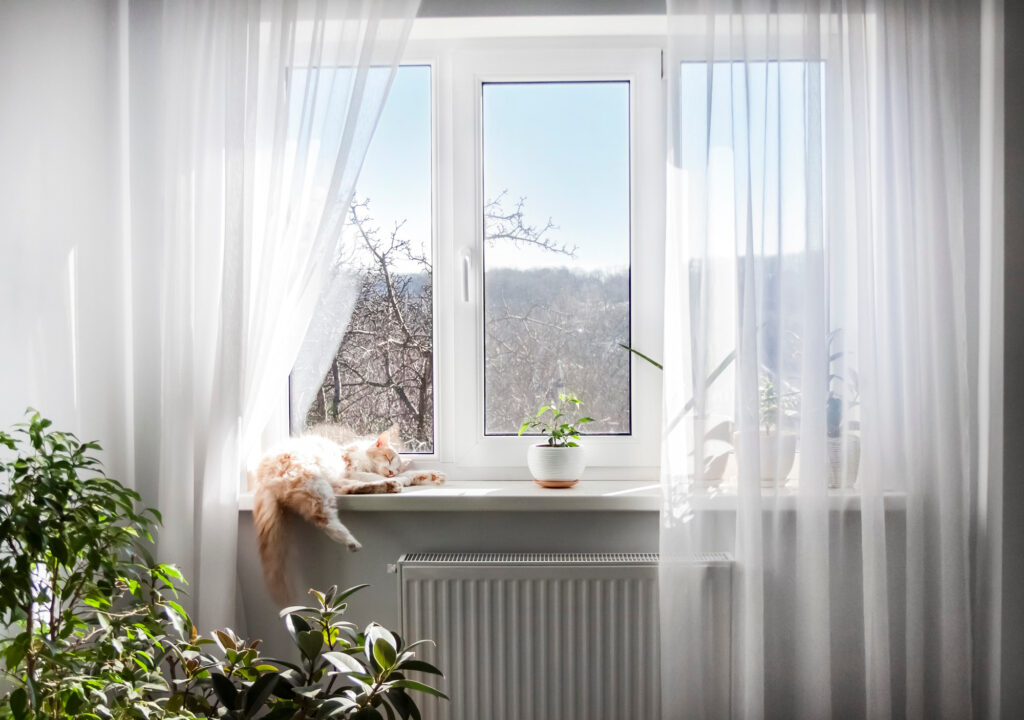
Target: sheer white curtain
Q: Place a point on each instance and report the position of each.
(822, 313)
(250, 121)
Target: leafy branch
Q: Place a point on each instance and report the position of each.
(558, 432)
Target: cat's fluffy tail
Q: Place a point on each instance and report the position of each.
(269, 518)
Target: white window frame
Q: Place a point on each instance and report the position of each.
(465, 451)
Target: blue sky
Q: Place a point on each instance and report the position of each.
(773, 101)
(564, 147)
(396, 172)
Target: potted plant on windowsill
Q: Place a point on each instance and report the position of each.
(559, 462)
(843, 441)
(837, 440)
(776, 441)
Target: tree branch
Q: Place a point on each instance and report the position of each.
(501, 223)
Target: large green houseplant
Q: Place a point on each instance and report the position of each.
(92, 627)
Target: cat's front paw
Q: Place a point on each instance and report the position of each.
(433, 477)
(392, 486)
(354, 545)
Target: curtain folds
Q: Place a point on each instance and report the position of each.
(821, 319)
(249, 124)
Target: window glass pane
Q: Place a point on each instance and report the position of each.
(556, 250)
(384, 369)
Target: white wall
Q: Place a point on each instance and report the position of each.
(60, 240)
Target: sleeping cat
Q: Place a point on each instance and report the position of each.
(305, 474)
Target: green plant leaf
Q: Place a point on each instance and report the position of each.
(419, 666)
(310, 642)
(384, 653)
(640, 355)
(332, 708)
(405, 706)
(367, 713)
(375, 631)
(297, 609)
(295, 624)
(259, 692)
(224, 640)
(344, 662)
(418, 686)
(19, 703)
(346, 593)
(225, 690)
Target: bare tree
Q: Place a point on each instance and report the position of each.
(552, 330)
(383, 370)
(547, 330)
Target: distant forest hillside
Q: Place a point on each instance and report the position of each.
(554, 330)
(547, 331)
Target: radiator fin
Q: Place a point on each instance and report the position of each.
(502, 559)
(528, 558)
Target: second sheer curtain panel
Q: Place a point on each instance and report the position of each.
(820, 310)
(249, 124)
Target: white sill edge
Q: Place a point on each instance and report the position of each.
(587, 496)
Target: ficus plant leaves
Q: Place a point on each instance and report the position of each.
(96, 627)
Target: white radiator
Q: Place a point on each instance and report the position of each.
(528, 636)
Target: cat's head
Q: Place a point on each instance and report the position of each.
(383, 453)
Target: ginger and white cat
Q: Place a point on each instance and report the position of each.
(304, 475)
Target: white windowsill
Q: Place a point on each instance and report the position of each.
(507, 495)
(587, 496)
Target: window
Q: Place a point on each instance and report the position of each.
(383, 371)
(557, 230)
(508, 232)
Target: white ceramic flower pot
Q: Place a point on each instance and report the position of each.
(836, 477)
(556, 467)
(716, 460)
(777, 456)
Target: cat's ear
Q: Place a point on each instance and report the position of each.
(384, 439)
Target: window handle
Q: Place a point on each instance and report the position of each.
(466, 266)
